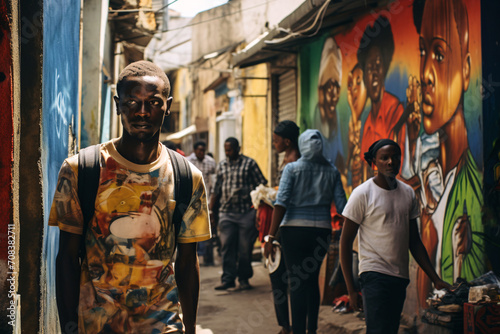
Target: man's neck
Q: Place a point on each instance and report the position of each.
(385, 182)
(234, 159)
(136, 151)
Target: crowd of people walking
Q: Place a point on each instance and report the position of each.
(126, 207)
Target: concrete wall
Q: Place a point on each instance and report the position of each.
(256, 120)
(235, 22)
(95, 14)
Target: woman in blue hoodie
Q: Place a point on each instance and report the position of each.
(306, 191)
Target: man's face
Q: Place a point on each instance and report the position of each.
(441, 66)
(328, 95)
(143, 107)
(374, 76)
(388, 160)
(356, 91)
(279, 143)
(231, 152)
(199, 151)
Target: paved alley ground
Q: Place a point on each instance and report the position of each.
(252, 311)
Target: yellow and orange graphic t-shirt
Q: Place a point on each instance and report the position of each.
(127, 283)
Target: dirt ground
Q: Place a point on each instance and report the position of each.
(252, 311)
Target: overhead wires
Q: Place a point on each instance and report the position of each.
(319, 18)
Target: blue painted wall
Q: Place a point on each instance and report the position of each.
(61, 30)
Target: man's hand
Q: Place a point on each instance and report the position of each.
(269, 249)
(355, 301)
(440, 284)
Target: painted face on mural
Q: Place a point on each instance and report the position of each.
(444, 73)
(374, 75)
(142, 106)
(329, 94)
(356, 91)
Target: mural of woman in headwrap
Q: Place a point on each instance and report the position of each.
(356, 97)
(451, 183)
(374, 56)
(326, 118)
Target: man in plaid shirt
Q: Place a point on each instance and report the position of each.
(237, 176)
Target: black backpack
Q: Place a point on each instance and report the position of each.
(88, 183)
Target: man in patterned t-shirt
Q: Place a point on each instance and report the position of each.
(126, 281)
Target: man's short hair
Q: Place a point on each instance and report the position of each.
(378, 34)
(143, 68)
(199, 143)
(234, 142)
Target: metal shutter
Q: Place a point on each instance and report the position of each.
(287, 98)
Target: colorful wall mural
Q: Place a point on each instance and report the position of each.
(410, 72)
(60, 120)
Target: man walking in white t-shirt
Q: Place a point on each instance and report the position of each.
(385, 212)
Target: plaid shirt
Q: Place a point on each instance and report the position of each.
(207, 168)
(235, 181)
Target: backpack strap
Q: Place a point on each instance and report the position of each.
(88, 182)
(183, 188)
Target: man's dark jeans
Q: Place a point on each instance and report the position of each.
(237, 235)
(383, 300)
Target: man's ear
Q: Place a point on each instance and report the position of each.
(288, 142)
(466, 71)
(117, 104)
(169, 103)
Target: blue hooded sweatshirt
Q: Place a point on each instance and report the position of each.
(309, 185)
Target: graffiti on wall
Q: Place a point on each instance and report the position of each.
(418, 84)
(60, 111)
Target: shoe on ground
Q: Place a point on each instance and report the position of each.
(225, 286)
(244, 285)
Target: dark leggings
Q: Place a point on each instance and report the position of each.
(304, 249)
(279, 283)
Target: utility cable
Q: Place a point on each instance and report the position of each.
(319, 17)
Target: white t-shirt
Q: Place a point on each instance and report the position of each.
(384, 226)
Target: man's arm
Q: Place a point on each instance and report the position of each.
(187, 275)
(257, 176)
(419, 253)
(68, 281)
(349, 231)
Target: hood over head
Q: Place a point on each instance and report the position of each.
(311, 143)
